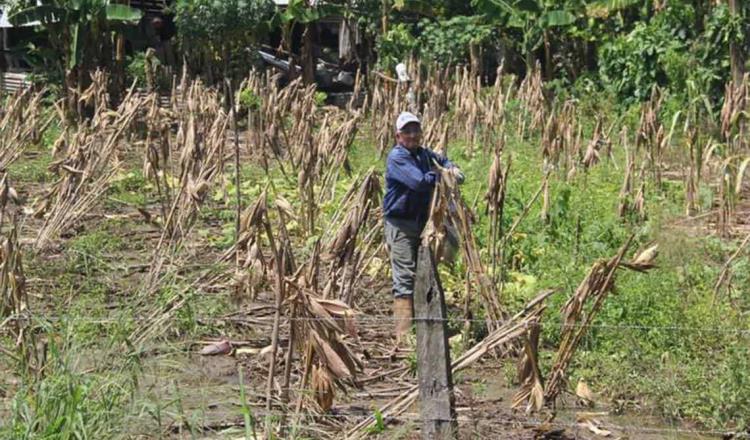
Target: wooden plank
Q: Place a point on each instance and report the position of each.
(433, 352)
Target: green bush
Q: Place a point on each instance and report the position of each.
(448, 41)
(395, 46)
(136, 68)
(249, 100)
(219, 33)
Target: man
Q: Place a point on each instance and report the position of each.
(409, 183)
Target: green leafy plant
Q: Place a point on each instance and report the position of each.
(219, 33)
(379, 425)
(320, 98)
(449, 41)
(395, 46)
(249, 100)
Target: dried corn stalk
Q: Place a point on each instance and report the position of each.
(22, 123)
(157, 166)
(734, 115)
(581, 310)
(13, 299)
(344, 252)
(531, 392)
(495, 198)
(14, 303)
(252, 266)
(448, 210)
(531, 94)
(624, 199)
(201, 137)
(328, 335)
(730, 180)
(87, 167)
(652, 135)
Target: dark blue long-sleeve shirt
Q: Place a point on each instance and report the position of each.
(409, 183)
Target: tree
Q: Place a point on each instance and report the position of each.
(80, 30)
(735, 45)
(533, 19)
(213, 32)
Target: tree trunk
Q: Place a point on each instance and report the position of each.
(475, 54)
(308, 58)
(118, 73)
(547, 57)
(384, 17)
(71, 99)
(735, 50)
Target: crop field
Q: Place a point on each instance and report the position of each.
(212, 265)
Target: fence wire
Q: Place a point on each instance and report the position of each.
(385, 319)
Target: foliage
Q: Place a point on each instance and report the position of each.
(320, 98)
(249, 100)
(669, 51)
(448, 41)
(66, 403)
(221, 31)
(79, 24)
(395, 46)
(136, 67)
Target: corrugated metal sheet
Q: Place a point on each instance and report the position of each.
(4, 23)
(12, 81)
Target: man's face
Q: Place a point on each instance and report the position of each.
(410, 136)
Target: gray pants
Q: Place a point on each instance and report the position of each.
(402, 237)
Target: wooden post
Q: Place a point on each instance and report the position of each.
(433, 352)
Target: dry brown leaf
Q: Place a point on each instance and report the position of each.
(584, 392)
(217, 348)
(286, 207)
(591, 425)
(322, 386)
(332, 360)
(536, 398)
(322, 314)
(647, 256)
(336, 308)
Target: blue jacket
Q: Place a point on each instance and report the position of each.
(409, 182)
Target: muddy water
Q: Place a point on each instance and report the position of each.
(204, 391)
(197, 390)
(629, 424)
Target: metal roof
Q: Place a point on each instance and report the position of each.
(4, 23)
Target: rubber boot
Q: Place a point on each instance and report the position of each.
(403, 311)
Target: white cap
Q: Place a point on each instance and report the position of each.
(403, 75)
(405, 118)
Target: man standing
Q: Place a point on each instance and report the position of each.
(409, 181)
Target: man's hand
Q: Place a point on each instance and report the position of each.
(457, 174)
(431, 177)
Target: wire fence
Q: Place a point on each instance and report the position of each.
(384, 319)
(494, 423)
